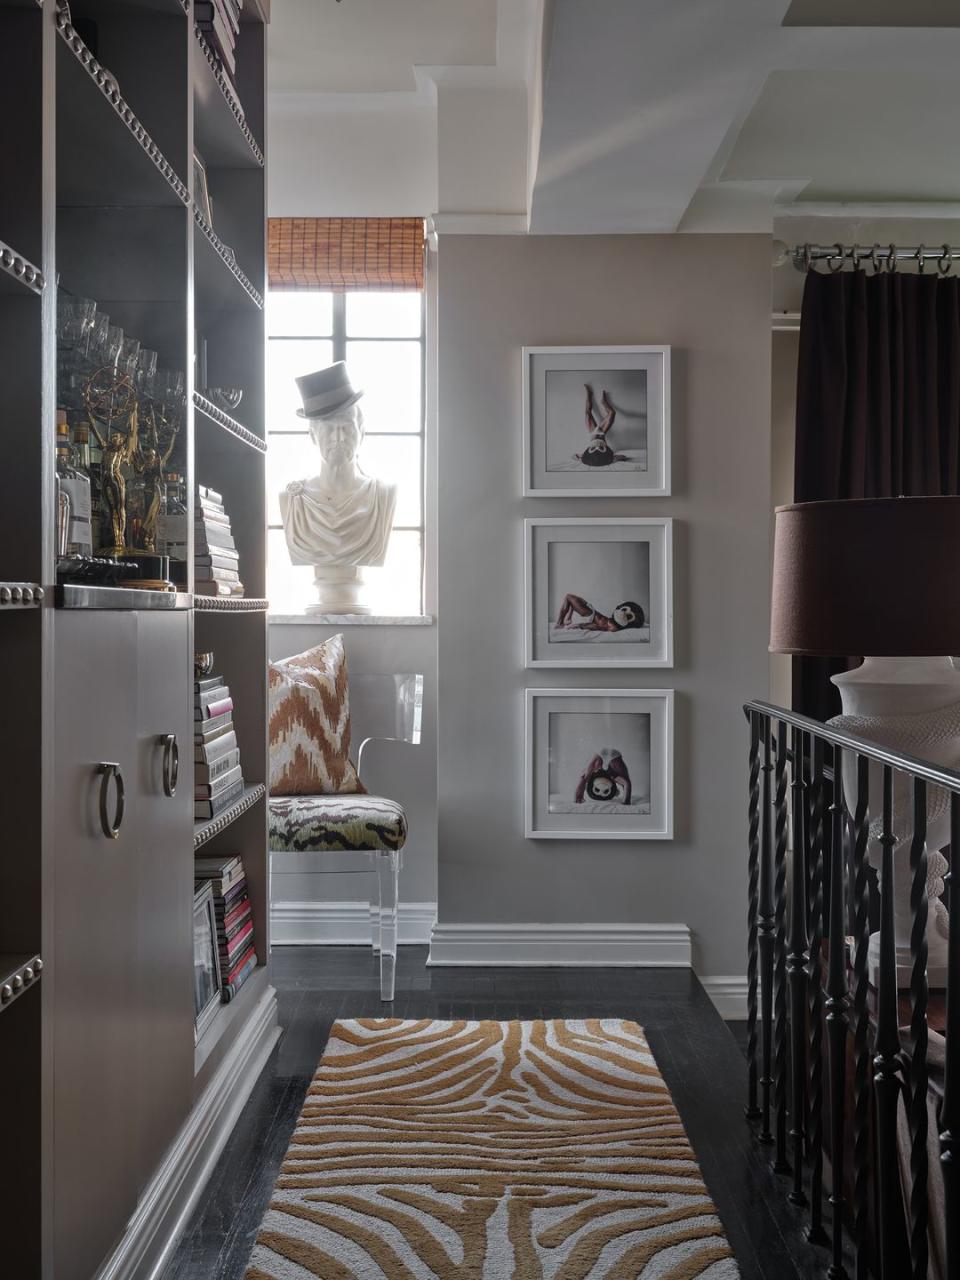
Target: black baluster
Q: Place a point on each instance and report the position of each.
(836, 1017)
(861, 1020)
(752, 1111)
(886, 1064)
(780, 1163)
(766, 928)
(797, 962)
(918, 1034)
(950, 1111)
(816, 1232)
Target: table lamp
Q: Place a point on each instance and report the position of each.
(872, 577)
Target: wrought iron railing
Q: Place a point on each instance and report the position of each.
(810, 999)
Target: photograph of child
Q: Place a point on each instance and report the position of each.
(596, 420)
(599, 592)
(599, 762)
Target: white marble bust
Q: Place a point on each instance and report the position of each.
(340, 519)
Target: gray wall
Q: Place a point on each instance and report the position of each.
(709, 297)
(406, 774)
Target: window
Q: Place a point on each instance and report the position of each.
(380, 335)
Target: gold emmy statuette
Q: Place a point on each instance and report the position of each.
(150, 463)
(110, 397)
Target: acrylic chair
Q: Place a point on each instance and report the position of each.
(361, 833)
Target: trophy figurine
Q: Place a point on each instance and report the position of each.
(150, 463)
(118, 448)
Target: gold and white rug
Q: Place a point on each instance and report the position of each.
(489, 1151)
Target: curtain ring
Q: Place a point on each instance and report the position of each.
(921, 261)
(945, 261)
(873, 260)
(892, 258)
(855, 257)
(837, 256)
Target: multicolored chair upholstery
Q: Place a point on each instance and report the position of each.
(361, 832)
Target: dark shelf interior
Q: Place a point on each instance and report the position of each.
(222, 139)
(204, 831)
(101, 158)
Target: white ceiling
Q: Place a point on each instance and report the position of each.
(373, 46)
(657, 115)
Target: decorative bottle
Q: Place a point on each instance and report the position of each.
(75, 486)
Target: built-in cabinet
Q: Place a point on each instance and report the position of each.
(97, 1039)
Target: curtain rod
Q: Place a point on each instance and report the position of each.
(878, 257)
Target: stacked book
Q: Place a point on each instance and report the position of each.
(219, 21)
(231, 906)
(216, 563)
(217, 778)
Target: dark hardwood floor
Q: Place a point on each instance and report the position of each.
(701, 1060)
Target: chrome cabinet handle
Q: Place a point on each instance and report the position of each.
(108, 770)
(171, 762)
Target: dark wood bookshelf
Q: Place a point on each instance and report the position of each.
(108, 103)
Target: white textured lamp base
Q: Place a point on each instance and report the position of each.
(339, 590)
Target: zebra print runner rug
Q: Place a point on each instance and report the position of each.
(485, 1151)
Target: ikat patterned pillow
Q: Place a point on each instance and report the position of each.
(310, 724)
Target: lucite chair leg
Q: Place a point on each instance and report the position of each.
(388, 874)
(375, 917)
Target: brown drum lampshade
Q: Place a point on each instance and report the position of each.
(877, 577)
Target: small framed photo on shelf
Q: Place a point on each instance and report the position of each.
(596, 420)
(599, 593)
(599, 764)
(201, 191)
(206, 960)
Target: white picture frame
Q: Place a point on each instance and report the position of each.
(608, 564)
(555, 418)
(567, 795)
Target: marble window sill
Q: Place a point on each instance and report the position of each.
(351, 620)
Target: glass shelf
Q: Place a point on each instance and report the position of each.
(18, 274)
(217, 415)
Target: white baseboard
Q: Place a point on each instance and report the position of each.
(636, 945)
(728, 991)
(172, 1193)
(344, 923)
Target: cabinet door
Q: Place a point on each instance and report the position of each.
(164, 1017)
(95, 931)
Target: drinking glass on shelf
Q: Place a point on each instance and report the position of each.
(113, 345)
(96, 337)
(146, 372)
(129, 353)
(75, 318)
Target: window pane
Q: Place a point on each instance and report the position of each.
(299, 313)
(393, 589)
(389, 373)
(288, 458)
(287, 360)
(396, 460)
(289, 588)
(383, 315)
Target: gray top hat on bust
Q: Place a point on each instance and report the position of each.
(326, 391)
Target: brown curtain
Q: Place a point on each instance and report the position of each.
(878, 406)
(345, 253)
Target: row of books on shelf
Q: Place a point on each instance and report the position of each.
(219, 21)
(218, 776)
(216, 563)
(233, 913)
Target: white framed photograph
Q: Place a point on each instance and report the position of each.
(599, 764)
(599, 593)
(596, 420)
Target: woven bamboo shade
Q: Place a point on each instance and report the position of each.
(345, 253)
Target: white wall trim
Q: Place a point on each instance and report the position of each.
(343, 923)
(171, 1195)
(479, 224)
(635, 945)
(728, 991)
